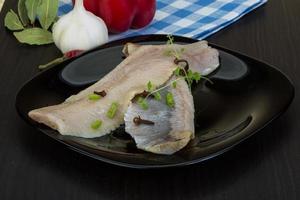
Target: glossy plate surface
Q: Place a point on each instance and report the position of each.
(246, 95)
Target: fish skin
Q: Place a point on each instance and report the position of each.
(147, 63)
(173, 127)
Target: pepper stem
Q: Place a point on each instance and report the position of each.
(53, 62)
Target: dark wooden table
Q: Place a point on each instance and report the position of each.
(266, 166)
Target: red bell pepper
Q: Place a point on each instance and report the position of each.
(120, 15)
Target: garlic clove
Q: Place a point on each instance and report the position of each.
(79, 29)
(57, 30)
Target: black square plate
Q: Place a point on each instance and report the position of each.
(246, 95)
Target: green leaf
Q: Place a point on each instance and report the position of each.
(157, 96)
(31, 6)
(190, 74)
(47, 12)
(143, 103)
(196, 77)
(170, 100)
(149, 86)
(174, 84)
(35, 36)
(23, 12)
(12, 21)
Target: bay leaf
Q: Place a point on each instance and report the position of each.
(12, 21)
(36, 36)
(23, 12)
(31, 6)
(47, 12)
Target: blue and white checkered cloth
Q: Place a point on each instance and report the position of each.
(190, 18)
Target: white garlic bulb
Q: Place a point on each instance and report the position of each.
(79, 30)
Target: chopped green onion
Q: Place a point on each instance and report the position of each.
(94, 97)
(157, 96)
(143, 103)
(112, 110)
(96, 124)
(170, 100)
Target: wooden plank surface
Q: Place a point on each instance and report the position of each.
(266, 166)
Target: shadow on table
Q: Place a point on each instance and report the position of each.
(204, 178)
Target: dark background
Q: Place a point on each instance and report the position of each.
(266, 166)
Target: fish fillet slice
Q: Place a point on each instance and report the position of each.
(147, 63)
(201, 57)
(75, 115)
(173, 127)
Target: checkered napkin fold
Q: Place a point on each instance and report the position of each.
(190, 18)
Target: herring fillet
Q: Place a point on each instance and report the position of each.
(201, 57)
(75, 115)
(173, 127)
(147, 63)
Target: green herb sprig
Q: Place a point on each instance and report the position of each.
(156, 94)
(188, 75)
(143, 103)
(179, 72)
(171, 50)
(24, 25)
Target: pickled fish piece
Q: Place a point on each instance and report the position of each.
(78, 113)
(206, 61)
(172, 124)
(87, 117)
